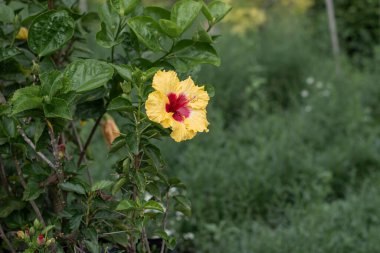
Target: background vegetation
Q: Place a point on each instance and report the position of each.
(291, 163)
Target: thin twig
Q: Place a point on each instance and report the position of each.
(3, 176)
(80, 145)
(5, 239)
(54, 145)
(164, 220)
(88, 141)
(31, 144)
(23, 184)
(146, 242)
(80, 250)
(50, 4)
(61, 197)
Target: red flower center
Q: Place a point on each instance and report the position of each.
(178, 106)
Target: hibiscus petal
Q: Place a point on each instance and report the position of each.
(166, 82)
(180, 132)
(197, 121)
(197, 96)
(155, 107)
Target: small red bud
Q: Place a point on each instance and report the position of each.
(61, 150)
(40, 239)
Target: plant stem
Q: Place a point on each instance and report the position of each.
(88, 141)
(80, 145)
(54, 145)
(60, 199)
(5, 239)
(23, 184)
(31, 144)
(3, 176)
(112, 54)
(209, 27)
(146, 242)
(50, 4)
(165, 55)
(164, 220)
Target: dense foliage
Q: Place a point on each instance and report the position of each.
(62, 66)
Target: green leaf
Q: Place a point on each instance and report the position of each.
(6, 14)
(206, 11)
(120, 183)
(47, 81)
(39, 129)
(26, 99)
(153, 189)
(47, 229)
(57, 108)
(100, 185)
(156, 12)
(170, 28)
(107, 37)
(177, 183)
(124, 70)
(9, 52)
(50, 31)
(92, 246)
(218, 10)
(154, 205)
(150, 73)
(32, 191)
(7, 207)
(126, 204)
(183, 205)
(75, 222)
(132, 143)
(187, 54)
(184, 12)
(202, 36)
(112, 26)
(124, 7)
(109, 16)
(52, 82)
(120, 104)
(70, 187)
(86, 75)
(170, 241)
(147, 31)
(162, 234)
(117, 144)
(139, 180)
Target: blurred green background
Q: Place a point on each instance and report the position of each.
(291, 162)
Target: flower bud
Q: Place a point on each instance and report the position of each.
(40, 239)
(21, 234)
(36, 223)
(61, 151)
(50, 242)
(31, 231)
(27, 233)
(22, 34)
(110, 130)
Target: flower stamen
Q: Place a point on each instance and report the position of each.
(178, 106)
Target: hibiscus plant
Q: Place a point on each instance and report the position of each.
(64, 62)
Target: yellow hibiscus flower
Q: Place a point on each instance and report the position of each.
(180, 105)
